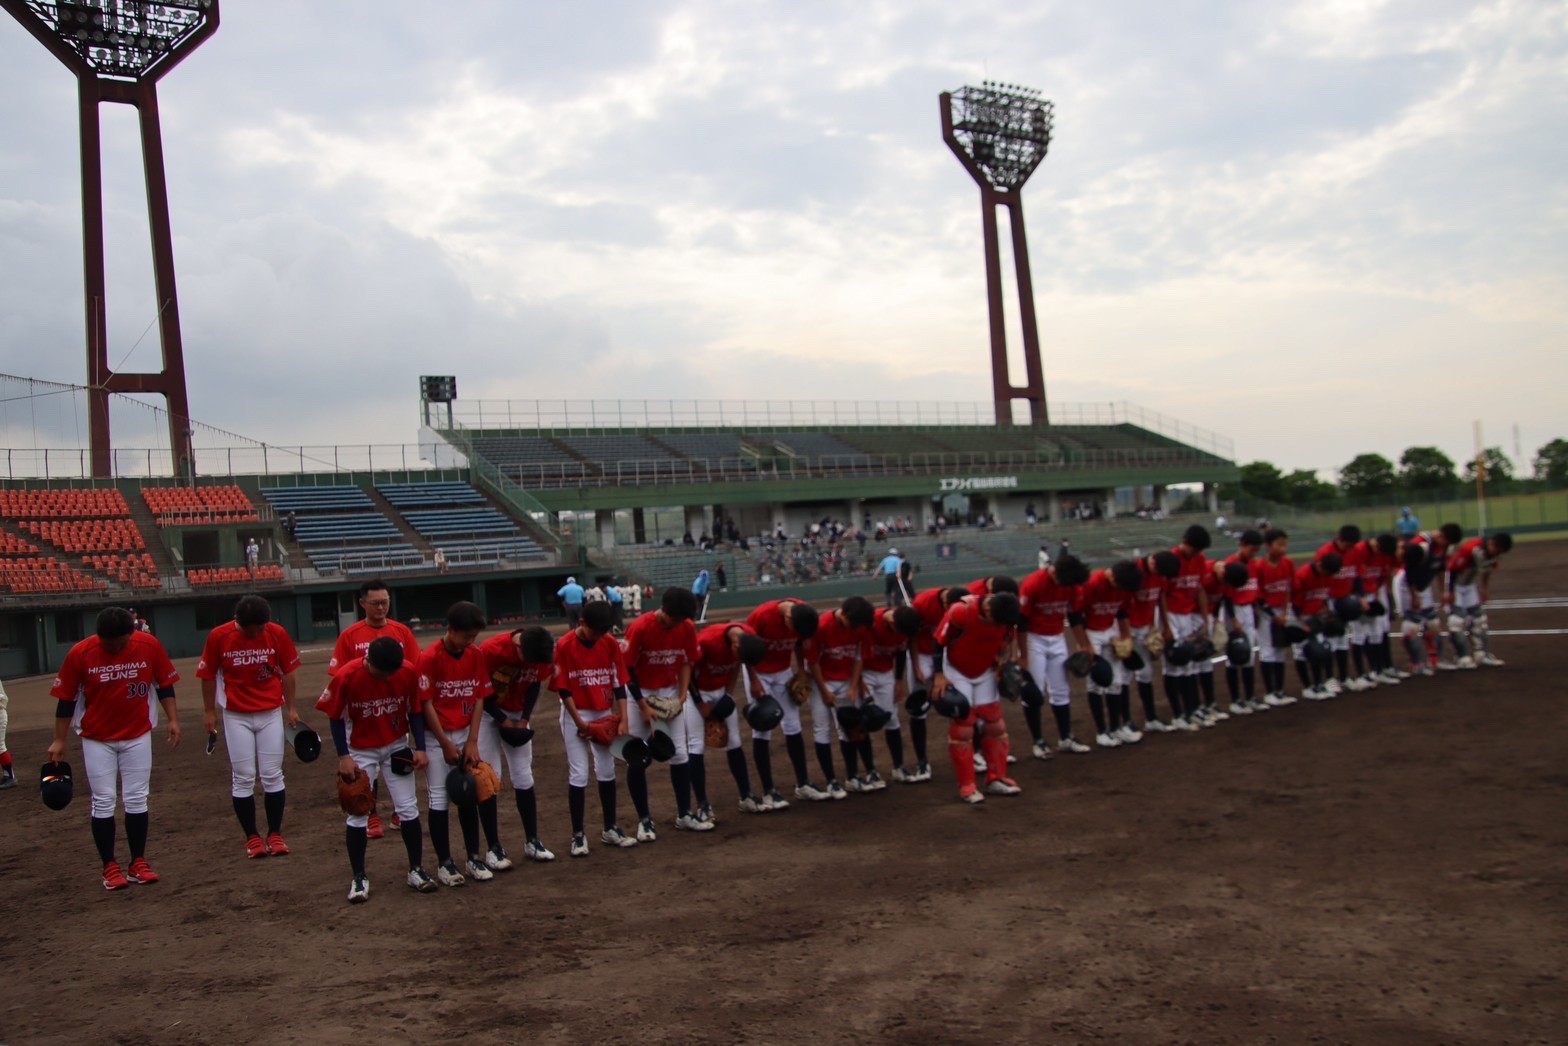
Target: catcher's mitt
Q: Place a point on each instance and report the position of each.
(1154, 643)
(1010, 680)
(602, 731)
(716, 733)
(800, 687)
(355, 795)
(485, 777)
(1080, 663)
(665, 707)
(1122, 647)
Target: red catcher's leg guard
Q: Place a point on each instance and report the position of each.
(993, 742)
(960, 746)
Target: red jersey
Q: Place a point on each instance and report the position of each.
(771, 623)
(510, 676)
(716, 661)
(836, 646)
(980, 586)
(589, 674)
(1144, 602)
(1247, 594)
(354, 640)
(882, 643)
(1310, 590)
(377, 710)
(116, 695)
(929, 604)
(1102, 601)
(1376, 569)
(1045, 603)
(1344, 582)
(972, 645)
(454, 684)
(1275, 582)
(1182, 595)
(654, 652)
(249, 672)
(1471, 556)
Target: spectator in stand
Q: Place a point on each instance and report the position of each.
(440, 559)
(290, 521)
(1030, 516)
(721, 578)
(252, 554)
(571, 597)
(1065, 549)
(1044, 558)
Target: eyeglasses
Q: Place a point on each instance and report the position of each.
(378, 602)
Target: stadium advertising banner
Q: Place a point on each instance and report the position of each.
(978, 483)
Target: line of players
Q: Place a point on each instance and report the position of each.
(954, 651)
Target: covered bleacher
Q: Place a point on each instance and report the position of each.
(341, 530)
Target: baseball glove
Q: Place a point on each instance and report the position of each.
(355, 795)
(602, 731)
(1080, 663)
(665, 707)
(1122, 647)
(485, 777)
(1010, 680)
(716, 733)
(1154, 643)
(501, 679)
(800, 687)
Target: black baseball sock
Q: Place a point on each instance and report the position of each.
(528, 810)
(440, 835)
(136, 834)
(1064, 720)
(737, 762)
(468, 822)
(489, 822)
(1248, 686)
(895, 747)
(413, 842)
(825, 759)
(1032, 720)
(1358, 658)
(637, 788)
(795, 745)
(577, 803)
(1097, 710)
(245, 810)
(867, 754)
(272, 803)
(1206, 684)
(1173, 694)
(1342, 663)
(680, 781)
(103, 837)
(1233, 683)
(357, 841)
(607, 803)
(1304, 671)
(698, 769)
(851, 759)
(764, 760)
(917, 739)
(1146, 696)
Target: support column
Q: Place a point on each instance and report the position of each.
(695, 521)
(604, 523)
(1053, 506)
(1162, 498)
(639, 528)
(1110, 503)
(1211, 497)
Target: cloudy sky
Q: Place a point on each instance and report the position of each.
(1317, 228)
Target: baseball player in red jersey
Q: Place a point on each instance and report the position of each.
(590, 678)
(1374, 560)
(374, 705)
(1186, 619)
(109, 690)
(1436, 545)
(882, 678)
(722, 649)
(785, 625)
(453, 683)
(376, 601)
(1470, 567)
(1275, 574)
(518, 663)
(1145, 616)
(1238, 592)
(247, 668)
(1309, 595)
(1346, 582)
(932, 605)
(1103, 603)
(976, 635)
(1414, 603)
(833, 657)
(659, 649)
(1048, 599)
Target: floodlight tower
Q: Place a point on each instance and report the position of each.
(119, 49)
(1000, 133)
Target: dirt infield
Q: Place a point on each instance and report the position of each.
(1387, 866)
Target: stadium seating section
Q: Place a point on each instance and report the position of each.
(234, 575)
(62, 503)
(79, 536)
(186, 506)
(136, 570)
(43, 575)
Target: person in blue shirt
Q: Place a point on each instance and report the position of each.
(891, 564)
(1407, 525)
(699, 588)
(612, 593)
(571, 594)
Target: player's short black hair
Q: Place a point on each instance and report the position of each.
(599, 616)
(1197, 537)
(906, 621)
(1273, 534)
(1387, 544)
(1003, 608)
(1126, 575)
(858, 611)
(1004, 583)
(679, 603)
(252, 610)
(1167, 564)
(374, 584)
(1235, 574)
(1452, 533)
(385, 654)
(1503, 540)
(1350, 533)
(1250, 537)
(536, 645)
(1070, 570)
(1329, 563)
(954, 595)
(113, 622)
(464, 616)
(803, 621)
(753, 648)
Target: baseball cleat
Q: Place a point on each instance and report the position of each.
(615, 837)
(705, 815)
(1355, 684)
(1426, 670)
(113, 878)
(8, 779)
(446, 873)
(1335, 687)
(900, 775)
(1399, 673)
(141, 872)
(1108, 740)
(750, 804)
(474, 868)
(972, 797)
(1003, 786)
(420, 882)
(1157, 726)
(1466, 662)
(689, 823)
(1071, 744)
(1317, 693)
(873, 781)
(254, 847)
(1489, 660)
(1042, 750)
(535, 850)
(497, 861)
(1128, 734)
(1216, 713)
(810, 792)
(276, 846)
(646, 832)
(1372, 679)
(373, 827)
(579, 846)
(979, 763)
(359, 890)
(1242, 707)
(1184, 724)
(1390, 677)
(855, 784)
(1277, 700)
(1447, 666)
(395, 822)
(775, 801)
(836, 790)
(922, 773)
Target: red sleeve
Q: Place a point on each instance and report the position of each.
(339, 653)
(691, 644)
(410, 644)
(163, 672)
(288, 653)
(211, 653)
(331, 699)
(621, 675)
(631, 646)
(953, 623)
(560, 679)
(69, 681)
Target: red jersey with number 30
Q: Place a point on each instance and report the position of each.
(116, 695)
(454, 684)
(972, 644)
(376, 710)
(716, 661)
(249, 671)
(589, 673)
(655, 652)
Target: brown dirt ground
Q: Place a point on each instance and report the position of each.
(1385, 866)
